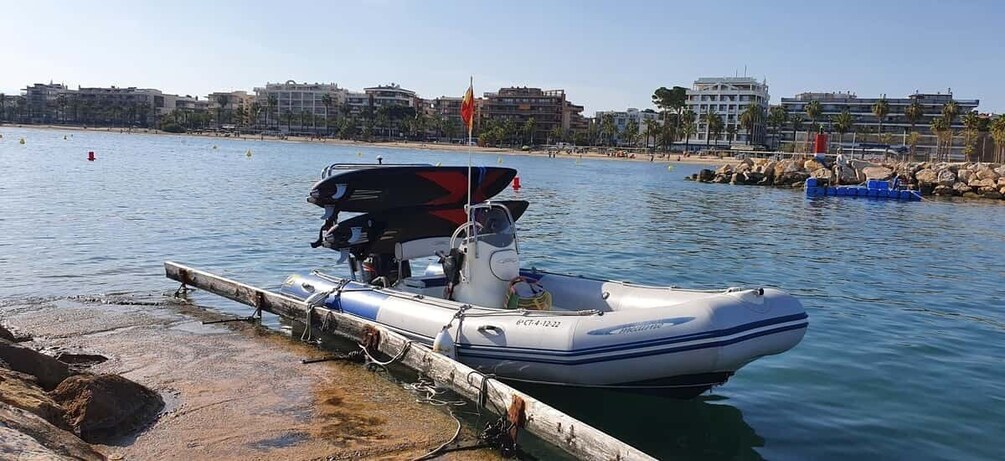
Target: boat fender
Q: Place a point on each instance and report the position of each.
(444, 343)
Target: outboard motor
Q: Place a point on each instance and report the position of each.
(491, 259)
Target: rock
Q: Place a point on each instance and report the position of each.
(989, 192)
(743, 167)
(796, 178)
(943, 190)
(9, 336)
(812, 164)
(706, 175)
(1002, 190)
(1001, 181)
(1000, 170)
(48, 371)
(787, 166)
(946, 178)
(970, 195)
(927, 176)
(22, 391)
(735, 178)
(752, 177)
(769, 169)
(80, 359)
(721, 179)
(725, 169)
(760, 162)
(31, 437)
(102, 407)
(978, 183)
(847, 175)
(964, 175)
(961, 188)
(747, 162)
(823, 173)
(881, 173)
(985, 172)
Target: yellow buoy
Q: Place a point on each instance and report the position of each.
(21, 141)
(248, 153)
(214, 146)
(64, 137)
(439, 164)
(669, 167)
(499, 160)
(359, 154)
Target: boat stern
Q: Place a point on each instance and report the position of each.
(755, 323)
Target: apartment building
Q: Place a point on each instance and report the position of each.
(728, 97)
(549, 109)
(621, 119)
(294, 100)
(895, 124)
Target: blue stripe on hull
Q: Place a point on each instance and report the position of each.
(501, 355)
(654, 341)
(363, 303)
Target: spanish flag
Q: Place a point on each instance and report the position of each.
(468, 107)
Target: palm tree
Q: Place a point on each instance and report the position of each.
(813, 110)
(528, 129)
(843, 123)
(998, 134)
(631, 132)
(288, 115)
(880, 110)
(327, 100)
(730, 133)
(607, 128)
(714, 124)
(797, 124)
(652, 128)
(971, 128)
(750, 118)
(254, 111)
(949, 112)
(221, 101)
(270, 103)
(688, 118)
(778, 116)
(914, 113)
(3, 107)
(940, 126)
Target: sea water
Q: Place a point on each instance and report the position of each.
(904, 357)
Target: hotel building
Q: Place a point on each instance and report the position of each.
(728, 97)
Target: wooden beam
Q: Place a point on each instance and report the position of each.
(559, 429)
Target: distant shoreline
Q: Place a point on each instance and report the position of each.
(591, 154)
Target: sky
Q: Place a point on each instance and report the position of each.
(607, 55)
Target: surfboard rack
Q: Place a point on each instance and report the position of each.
(576, 438)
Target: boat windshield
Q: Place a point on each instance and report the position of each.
(494, 226)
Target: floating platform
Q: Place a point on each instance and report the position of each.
(876, 189)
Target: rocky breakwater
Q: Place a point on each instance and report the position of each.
(972, 180)
(50, 408)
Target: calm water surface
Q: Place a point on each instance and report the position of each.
(904, 358)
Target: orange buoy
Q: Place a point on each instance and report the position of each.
(516, 183)
(90, 156)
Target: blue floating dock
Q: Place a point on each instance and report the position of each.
(874, 188)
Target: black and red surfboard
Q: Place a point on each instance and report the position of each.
(378, 232)
(368, 188)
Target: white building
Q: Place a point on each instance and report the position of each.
(294, 100)
(728, 97)
(622, 118)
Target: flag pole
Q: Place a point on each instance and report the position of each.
(471, 123)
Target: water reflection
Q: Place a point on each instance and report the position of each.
(703, 428)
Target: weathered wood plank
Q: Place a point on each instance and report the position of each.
(571, 435)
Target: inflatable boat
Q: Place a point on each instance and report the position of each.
(464, 294)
